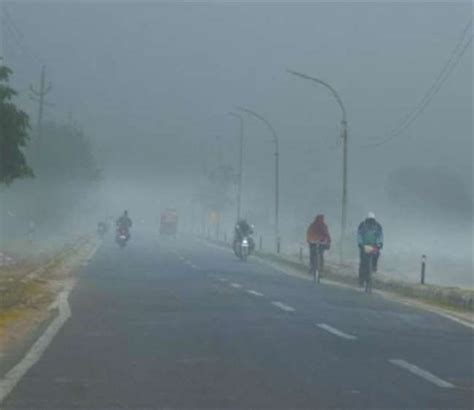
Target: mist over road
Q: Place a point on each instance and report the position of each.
(183, 324)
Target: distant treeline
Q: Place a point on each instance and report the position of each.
(434, 190)
(45, 175)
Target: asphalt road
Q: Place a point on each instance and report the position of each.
(183, 324)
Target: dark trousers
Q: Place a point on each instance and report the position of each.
(313, 248)
(364, 259)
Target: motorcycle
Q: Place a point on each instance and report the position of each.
(243, 248)
(122, 236)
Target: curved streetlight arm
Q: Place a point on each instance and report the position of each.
(253, 113)
(277, 173)
(236, 115)
(323, 83)
(344, 153)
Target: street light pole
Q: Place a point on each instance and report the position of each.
(241, 150)
(277, 172)
(344, 155)
(344, 190)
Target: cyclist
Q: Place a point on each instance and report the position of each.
(370, 233)
(319, 240)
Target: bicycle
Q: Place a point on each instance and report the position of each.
(370, 252)
(315, 261)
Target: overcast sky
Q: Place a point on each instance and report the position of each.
(152, 83)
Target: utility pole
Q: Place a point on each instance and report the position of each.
(40, 98)
(219, 151)
(344, 189)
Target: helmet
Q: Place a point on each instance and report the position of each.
(371, 215)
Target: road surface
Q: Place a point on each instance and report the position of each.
(184, 324)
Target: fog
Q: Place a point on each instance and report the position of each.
(151, 85)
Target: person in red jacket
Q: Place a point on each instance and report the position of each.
(319, 239)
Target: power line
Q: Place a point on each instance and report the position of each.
(440, 78)
(454, 59)
(8, 19)
(15, 33)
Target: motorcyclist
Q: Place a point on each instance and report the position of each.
(319, 239)
(244, 229)
(124, 222)
(369, 232)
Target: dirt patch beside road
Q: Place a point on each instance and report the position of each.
(28, 288)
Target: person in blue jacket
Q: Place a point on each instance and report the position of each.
(369, 232)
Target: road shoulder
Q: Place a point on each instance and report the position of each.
(33, 301)
(295, 269)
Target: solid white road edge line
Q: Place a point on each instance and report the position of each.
(422, 373)
(284, 307)
(335, 331)
(254, 292)
(10, 380)
(236, 285)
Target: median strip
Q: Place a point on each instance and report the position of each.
(421, 373)
(336, 332)
(284, 307)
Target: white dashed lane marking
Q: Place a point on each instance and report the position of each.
(215, 277)
(254, 292)
(336, 332)
(236, 285)
(284, 307)
(421, 373)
